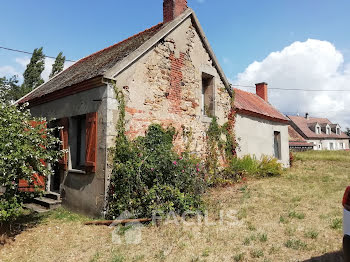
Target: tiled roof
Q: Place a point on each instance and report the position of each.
(302, 124)
(303, 144)
(295, 139)
(252, 104)
(94, 65)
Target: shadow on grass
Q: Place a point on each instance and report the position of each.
(27, 220)
(329, 257)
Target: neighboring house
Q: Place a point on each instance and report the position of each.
(322, 133)
(169, 75)
(260, 128)
(297, 142)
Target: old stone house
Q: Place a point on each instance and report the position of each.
(322, 133)
(169, 75)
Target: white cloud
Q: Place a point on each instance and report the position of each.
(8, 71)
(22, 61)
(312, 64)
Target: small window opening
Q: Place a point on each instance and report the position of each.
(208, 95)
(318, 130)
(277, 144)
(77, 141)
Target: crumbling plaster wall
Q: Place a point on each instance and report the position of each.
(165, 87)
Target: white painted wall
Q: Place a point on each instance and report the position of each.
(325, 144)
(256, 137)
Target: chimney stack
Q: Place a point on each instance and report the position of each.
(261, 90)
(307, 116)
(172, 9)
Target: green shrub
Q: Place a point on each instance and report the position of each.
(25, 144)
(238, 168)
(269, 166)
(148, 175)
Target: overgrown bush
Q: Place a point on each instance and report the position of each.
(238, 168)
(25, 144)
(148, 175)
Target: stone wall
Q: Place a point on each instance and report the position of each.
(165, 86)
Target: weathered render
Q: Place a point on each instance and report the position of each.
(165, 87)
(80, 190)
(256, 137)
(257, 123)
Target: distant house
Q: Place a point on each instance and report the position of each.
(169, 75)
(297, 142)
(260, 128)
(322, 133)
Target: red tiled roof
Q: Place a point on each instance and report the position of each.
(252, 104)
(94, 65)
(304, 144)
(303, 124)
(294, 135)
(295, 139)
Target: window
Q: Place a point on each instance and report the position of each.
(328, 130)
(77, 141)
(277, 144)
(331, 146)
(208, 104)
(338, 131)
(319, 146)
(318, 130)
(341, 145)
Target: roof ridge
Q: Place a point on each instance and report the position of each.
(120, 42)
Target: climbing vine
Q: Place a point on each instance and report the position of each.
(221, 144)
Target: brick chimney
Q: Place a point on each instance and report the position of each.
(261, 90)
(172, 9)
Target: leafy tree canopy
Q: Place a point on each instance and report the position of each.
(26, 143)
(32, 74)
(9, 89)
(58, 65)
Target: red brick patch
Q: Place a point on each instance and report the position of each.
(176, 78)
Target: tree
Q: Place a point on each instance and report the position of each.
(25, 145)
(347, 131)
(58, 65)
(9, 89)
(32, 74)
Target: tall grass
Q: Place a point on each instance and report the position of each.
(248, 165)
(339, 156)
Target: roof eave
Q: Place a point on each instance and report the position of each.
(266, 117)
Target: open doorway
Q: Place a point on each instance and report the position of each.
(54, 180)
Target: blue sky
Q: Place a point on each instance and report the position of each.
(240, 33)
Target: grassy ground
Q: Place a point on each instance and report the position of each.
(290, 218)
